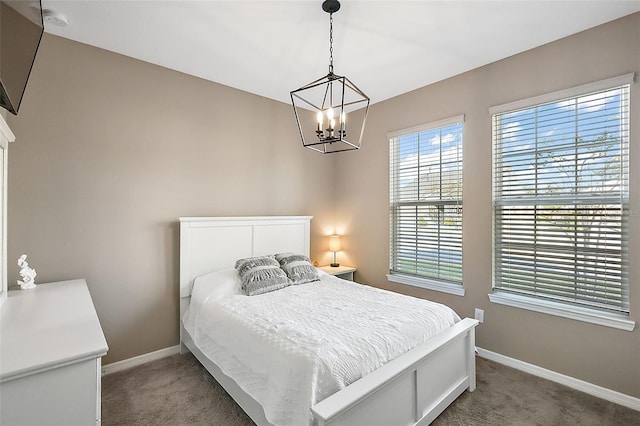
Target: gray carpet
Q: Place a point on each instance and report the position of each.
(177, 390)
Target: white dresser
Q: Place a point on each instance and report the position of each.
(51, 345)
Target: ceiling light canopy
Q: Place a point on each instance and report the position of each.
(331, 98)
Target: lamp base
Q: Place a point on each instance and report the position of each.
(335, 265)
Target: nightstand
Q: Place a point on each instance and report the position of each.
(342, 271)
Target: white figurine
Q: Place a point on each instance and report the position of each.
(27, 274)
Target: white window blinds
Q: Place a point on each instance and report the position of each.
(561, 199)
(426, 201)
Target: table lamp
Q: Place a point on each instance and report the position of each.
(334, 246)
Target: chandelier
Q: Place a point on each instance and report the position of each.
(331, 98)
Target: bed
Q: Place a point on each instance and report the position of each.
(411, 389)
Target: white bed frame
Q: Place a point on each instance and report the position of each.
(412, 389)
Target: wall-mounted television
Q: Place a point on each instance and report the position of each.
(21, 28)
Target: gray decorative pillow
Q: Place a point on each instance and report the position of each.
(298, 268)
(261, 275)
(241, 261)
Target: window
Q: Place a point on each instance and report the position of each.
(560, 199)
(426, 206)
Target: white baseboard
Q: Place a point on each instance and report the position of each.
(577, 384)
(139, 360)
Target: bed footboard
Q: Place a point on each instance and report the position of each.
(413, 389)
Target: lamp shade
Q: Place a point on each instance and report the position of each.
(334, 243)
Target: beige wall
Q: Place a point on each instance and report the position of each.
(600, 355)
(110, 151)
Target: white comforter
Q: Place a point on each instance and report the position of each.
(291, 348)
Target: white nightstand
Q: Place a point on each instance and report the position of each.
(342, 271)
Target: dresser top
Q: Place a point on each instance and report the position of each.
(47, 326)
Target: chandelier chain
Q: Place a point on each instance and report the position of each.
(331, 43)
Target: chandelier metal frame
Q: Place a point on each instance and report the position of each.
(327, 96)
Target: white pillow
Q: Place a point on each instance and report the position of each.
(217, 285)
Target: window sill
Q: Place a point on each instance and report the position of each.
(566, 311)
(457, 290)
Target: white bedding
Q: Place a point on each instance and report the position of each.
(291, 348)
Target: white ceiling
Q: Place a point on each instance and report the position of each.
(272, 47)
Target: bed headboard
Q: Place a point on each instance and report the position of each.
(208, 244)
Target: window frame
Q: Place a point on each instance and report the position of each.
(593, 315)
(423, 281)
